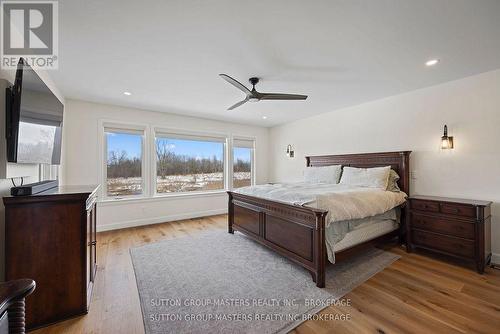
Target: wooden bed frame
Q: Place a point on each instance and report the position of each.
(298, 232)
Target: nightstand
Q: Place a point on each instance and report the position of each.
(456, 227)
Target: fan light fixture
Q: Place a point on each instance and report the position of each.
(446, 141)
(127, 93)
(431, 62)
(254, 96)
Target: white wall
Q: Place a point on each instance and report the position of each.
(413, 121)
(83, 153)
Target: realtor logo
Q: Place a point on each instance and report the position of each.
(29, 30)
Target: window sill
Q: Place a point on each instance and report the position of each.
(161, 197)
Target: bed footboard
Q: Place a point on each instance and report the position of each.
(296, 232)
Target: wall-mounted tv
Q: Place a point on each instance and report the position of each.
(34, 117)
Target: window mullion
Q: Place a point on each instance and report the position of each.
(153, 157)
(229, 164)
(145, 164)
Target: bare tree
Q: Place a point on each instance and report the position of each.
(168, 163)
(163, 155)
(120, 165)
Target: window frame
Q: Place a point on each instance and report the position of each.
(159, 132)
(48, 172)
(149, 133)
(252, 159)
(125, 128)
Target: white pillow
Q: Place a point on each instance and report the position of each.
(377, 177)
(326, 174)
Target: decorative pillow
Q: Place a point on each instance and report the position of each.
(392, 185)
(377, 177)
(326, 174)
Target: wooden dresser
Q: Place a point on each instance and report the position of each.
(456, 227)
(50, 237)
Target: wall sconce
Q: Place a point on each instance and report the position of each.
(289, 151)
(446, 142)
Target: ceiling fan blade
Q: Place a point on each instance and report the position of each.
(237, 104)
(236, 83)
(278, 96)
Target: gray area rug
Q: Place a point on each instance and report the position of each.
(216, 282)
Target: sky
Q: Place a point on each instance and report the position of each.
(132, 145)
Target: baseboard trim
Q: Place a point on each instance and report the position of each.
(495, 259)
(157, 220)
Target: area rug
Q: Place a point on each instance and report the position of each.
(217, 282)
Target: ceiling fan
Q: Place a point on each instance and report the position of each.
(255, 96)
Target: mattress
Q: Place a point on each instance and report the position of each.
(366, 233)
(343, 202)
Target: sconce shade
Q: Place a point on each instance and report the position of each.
(446, 141)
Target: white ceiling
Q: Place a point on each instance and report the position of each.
(340, 53)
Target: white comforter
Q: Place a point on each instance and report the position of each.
(343, 202)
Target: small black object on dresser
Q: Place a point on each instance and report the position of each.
(51, 238)
(456, 227)
(33, 188)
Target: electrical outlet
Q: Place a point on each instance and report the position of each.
(413, 174)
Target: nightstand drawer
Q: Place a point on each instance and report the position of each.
(458, 210)
(444, 226)
(430, 206)
(450, 245)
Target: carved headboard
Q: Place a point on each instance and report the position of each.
(399, 161)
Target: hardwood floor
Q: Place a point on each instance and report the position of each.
(416, 294)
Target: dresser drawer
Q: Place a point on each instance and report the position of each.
(450, 245)
(458, 210)
(421, 205)
(444, 226)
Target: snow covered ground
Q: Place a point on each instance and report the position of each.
(176, 183)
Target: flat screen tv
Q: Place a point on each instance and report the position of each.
(34, 117)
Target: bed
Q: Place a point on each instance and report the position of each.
(298, 231)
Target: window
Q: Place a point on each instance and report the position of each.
(242, 162)
(144, 161)
(48, 172)
(189, 163)
(124, 163)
